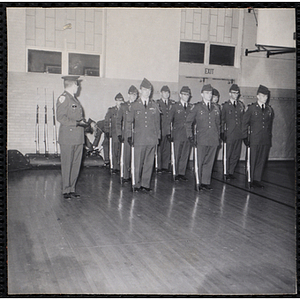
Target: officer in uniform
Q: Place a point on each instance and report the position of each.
(231, 129)
(144, 113)
(164, 147)
(71, 135)
(110, 123)
(259, 116)
(206, 116)
(121, 131)
(177, 117)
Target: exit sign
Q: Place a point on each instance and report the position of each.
(209, 71)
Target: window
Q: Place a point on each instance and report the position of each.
(44, 61)
(221, 55)
(84, 64)
(191, 52)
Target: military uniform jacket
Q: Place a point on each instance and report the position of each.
(208, 124)
(121, 118)
(260, 124)
(146, 122)
(177, 117)
(110, 122)
(232, 117)
(69, 110)
(165, 111)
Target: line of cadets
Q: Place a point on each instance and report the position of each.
(150, 131)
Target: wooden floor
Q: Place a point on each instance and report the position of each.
(230, 241)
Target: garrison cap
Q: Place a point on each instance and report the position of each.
(71, 77)
(207, 87)
(132, 90)
(215, 92)
(234, 87)
(118, 96)
(146, 84)
(165, 88)
(263, 90)
(185, 89)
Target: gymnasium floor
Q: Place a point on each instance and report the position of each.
(174, 241)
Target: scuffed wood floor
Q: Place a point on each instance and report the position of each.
(173, 241)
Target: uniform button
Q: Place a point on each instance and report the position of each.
(145, 125)
(71, 129)
(209, 126)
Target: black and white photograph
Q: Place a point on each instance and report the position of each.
(151, 150)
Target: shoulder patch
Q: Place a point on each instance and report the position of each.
(61, 99)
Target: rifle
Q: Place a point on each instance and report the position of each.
(122, 162)
(225, 151)
(197, 187)
(248, 157)
(37, 136)
(156, 158)
(132, 160)
(46, 129)
(110, 148)
(173, 156)
(54, 127)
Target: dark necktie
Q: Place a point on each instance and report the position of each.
(234, 103)
(263, 107)
(208, 106)
(145, 104)
(184, 106)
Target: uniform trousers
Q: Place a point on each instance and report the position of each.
(258, 157)
(70, 156)
(143, 164)
(182, 153)
(116, 150)
(126, 159)
(233, 153)
(206, 157)
(164, 153)
(105, 149)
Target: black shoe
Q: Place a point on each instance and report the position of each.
(176, 178)
(227, 177)
(125, 180)
(146, 189)
(159, 171)
(166, 171)
(183, 178)
(198, 188)
(73, 194)
(206, 187)
(136, 189)
(258, 184)
(67, 195)
(231, 176)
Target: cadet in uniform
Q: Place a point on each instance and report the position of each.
(121, 130)
(216, 97)
(111, 131)
(231, 129)
(177, 117)
(259, 116)
(164, 147)
(71, 135)
(144, 113)
(206, 115)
